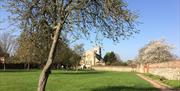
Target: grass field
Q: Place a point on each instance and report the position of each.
(74, 81)
(173, 83)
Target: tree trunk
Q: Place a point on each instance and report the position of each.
(4, 66)
(46, 70)
(24, 65)
(28, 66)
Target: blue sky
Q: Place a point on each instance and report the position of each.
(160, 20)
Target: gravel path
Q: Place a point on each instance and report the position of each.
(156, 84)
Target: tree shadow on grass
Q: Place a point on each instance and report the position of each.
(79, 72)
(124, 88)
(18, 70)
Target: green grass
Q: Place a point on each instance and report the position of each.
(173, 83)
(74, 81)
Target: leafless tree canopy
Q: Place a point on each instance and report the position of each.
(8, 43)
(109, 18)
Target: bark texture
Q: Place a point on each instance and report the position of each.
(46, 70)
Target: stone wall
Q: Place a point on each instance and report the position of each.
(169, 64)
(114, 68)
(168, 73)
(169, 70)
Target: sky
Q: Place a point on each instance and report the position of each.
(160, 19)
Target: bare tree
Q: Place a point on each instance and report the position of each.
(2, 56)
(8, 45)
(8, 42)
(78, 53)
(73, 18)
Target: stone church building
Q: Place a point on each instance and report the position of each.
(92, 57)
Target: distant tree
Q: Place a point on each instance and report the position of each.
(155, 52)
(8, 45)
(78, 49)
(25, 51)
(118, 57)
(119, 61)
(78, 18)
(69, 58)
(63, 55)
(34, 49)
(110, 58)
(8, 42)
(131, 63)
(77, 55)
(1, 51)
(3, 55)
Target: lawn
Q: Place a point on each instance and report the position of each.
(74, 81)
(173, 83)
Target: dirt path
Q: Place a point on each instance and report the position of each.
(156, 84)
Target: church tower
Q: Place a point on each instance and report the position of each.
(92, 57)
